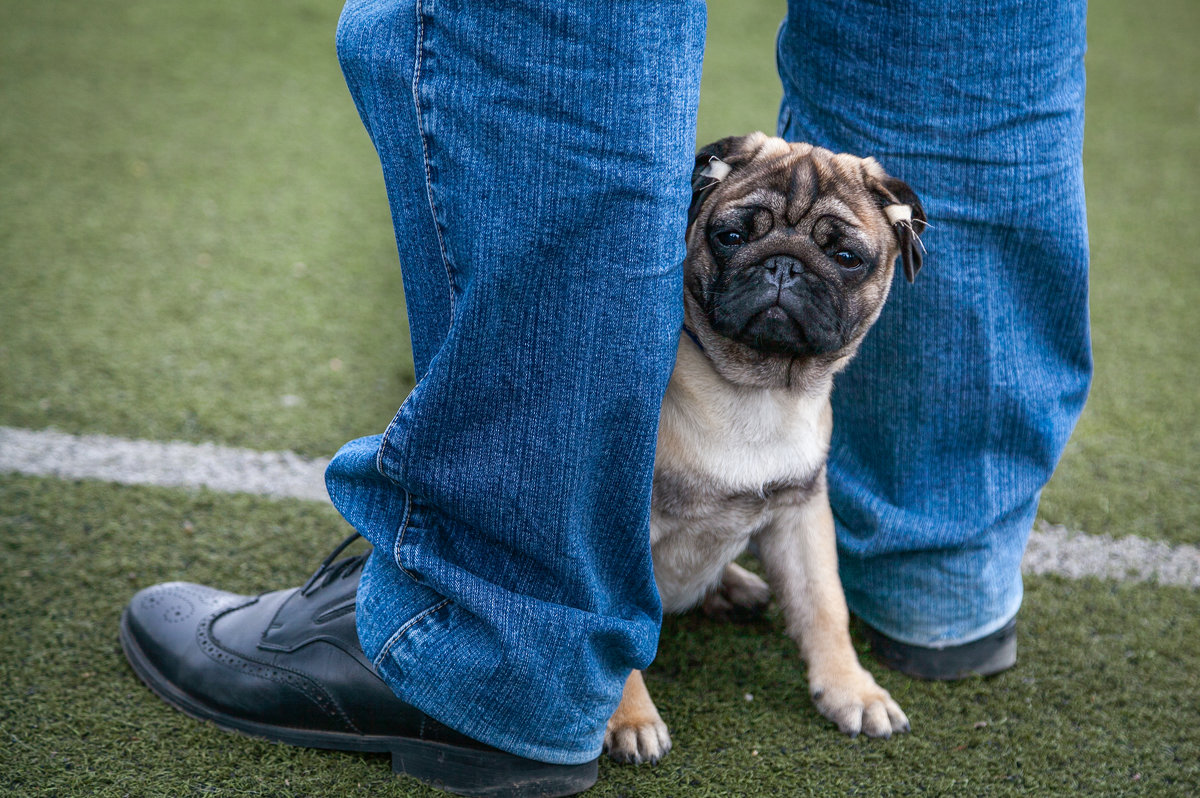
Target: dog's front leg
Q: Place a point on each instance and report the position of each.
(799, 551)
(636, 733)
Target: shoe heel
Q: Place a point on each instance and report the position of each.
(476, 772)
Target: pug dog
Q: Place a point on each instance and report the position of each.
(791, 251)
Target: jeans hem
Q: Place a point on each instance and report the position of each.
(432, 698)
(997, 623)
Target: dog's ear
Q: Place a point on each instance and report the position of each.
(905, 213)
(713, 163)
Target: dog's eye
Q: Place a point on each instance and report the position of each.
(847, 260)
(730, 238)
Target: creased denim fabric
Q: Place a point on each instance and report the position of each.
(537, 157)
(955, 412)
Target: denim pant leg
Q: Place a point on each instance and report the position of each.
(955, 413)
(537, 158)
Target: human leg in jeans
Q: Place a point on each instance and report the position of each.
(539, 184)
(537, 157)
(959, 404)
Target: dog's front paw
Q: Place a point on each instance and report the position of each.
(741, 594)
(637, 740)
(857, 704)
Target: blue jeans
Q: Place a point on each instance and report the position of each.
(959, 404)
(536, 155)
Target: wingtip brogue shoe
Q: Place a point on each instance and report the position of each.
(287, 666)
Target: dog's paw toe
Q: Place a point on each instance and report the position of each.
(875, 720)
(863, 707)
(639, 743)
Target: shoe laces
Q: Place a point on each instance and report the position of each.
(330, 571)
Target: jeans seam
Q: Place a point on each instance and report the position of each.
(425, 162)
(437, 229)
(408, 500)
(387, 433)
(395, 638)
(781, 125)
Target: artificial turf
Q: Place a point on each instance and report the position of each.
(195, 244)
(194, 235)
(1104, 701)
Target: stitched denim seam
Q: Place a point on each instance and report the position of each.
(400, 537)
(437, 225)
(387, 433)
(395, 638)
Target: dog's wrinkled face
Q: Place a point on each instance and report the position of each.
(790, 256)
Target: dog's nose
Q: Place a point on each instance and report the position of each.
(782, 270)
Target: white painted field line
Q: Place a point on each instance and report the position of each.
(134, 462)
(1057, 550)
(1052, 550)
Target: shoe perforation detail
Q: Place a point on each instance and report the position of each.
(160, 601)
(313, 691)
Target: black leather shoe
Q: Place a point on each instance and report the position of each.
(287, 666)
(984, 657)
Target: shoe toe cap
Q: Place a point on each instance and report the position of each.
(159, 625)
(174, 603)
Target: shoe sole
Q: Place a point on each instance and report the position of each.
(463, 771)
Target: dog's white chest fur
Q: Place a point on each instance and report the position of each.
(729, 457)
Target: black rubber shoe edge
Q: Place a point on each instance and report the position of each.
(984, 657)
(463, 771)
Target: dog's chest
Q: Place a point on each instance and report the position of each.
(717, 440)
(729, 460)
(723, 467)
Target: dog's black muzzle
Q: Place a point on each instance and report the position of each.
(780, 306)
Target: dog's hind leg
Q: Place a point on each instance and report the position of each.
(636, 733)
(740, 595)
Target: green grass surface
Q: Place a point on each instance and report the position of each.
(195, 242)
(193, 227)
(1104, 702)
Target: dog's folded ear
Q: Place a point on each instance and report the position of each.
(905, 213)
(713, 163)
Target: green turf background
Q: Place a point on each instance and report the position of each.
(195, 244)
(1104, 702)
